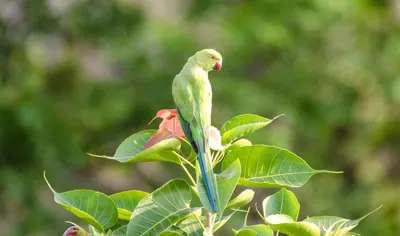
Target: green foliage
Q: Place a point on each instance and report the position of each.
(241, 200)
(126, 202)
(260, 230)
(242, 125)
(132, 149)
(282, 202)
(282, 208)
(121, 231)
(336, 225)
(269, 167)
(169, 210)
(247, 232)
(95, 208)
(287, 225)
(170, 233)
(78, 76)
(239, 143)
(162, 209)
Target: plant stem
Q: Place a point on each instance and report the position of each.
(214, 157)
(218, 158)
(245, 218)
(277, 233)
(189, 175)
(198, 220)
(209, 223)
(185, 160)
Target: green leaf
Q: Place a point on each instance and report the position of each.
(261, 230)
(170, 233)
(188, 151)
(352, 234)
(336, 224)
(94, 232)
(247, 232)
(270, 167)
(95, 208)
(282, 202)
(109, 233)
(287, 225)
(191, 225)
(226, 184)
(242, 125)
(127, 201)
(239, 143)
(121, 231)
(161, 209)
(242, 199)
(222, 221)
(132, 149)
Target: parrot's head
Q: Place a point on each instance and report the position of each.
(209, 59)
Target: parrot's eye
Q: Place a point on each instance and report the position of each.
(212, 57)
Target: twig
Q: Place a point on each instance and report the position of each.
(214, 156)
(189, 175)
(218, 158)
(198, 219)
(185, 160)
(209, 222)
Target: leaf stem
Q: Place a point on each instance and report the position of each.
(277, 233)
(218, 158)
(198, 219)
(214, 157)
(189, 175)
(186, 161)
(245, 218)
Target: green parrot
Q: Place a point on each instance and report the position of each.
(192, 94)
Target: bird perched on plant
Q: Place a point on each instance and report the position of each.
(192, 94)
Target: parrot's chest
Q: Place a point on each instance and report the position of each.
(204, 88)
(202, 84)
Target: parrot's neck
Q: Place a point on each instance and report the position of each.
(193, 64)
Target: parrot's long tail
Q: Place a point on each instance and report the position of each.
(196, 137)
(208, 178)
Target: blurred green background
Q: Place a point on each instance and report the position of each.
(80, 76)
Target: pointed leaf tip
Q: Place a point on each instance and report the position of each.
(270, 167)
(338, 225)
(93, 207)
(48, 184)
(328, 172)
(132, 149)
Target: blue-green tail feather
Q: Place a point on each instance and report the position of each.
(207, 173)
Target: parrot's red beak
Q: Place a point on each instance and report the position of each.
(218, 65)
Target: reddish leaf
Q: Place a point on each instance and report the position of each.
(170, 127)
(160, 135)
(166, 114)
(170, 121)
